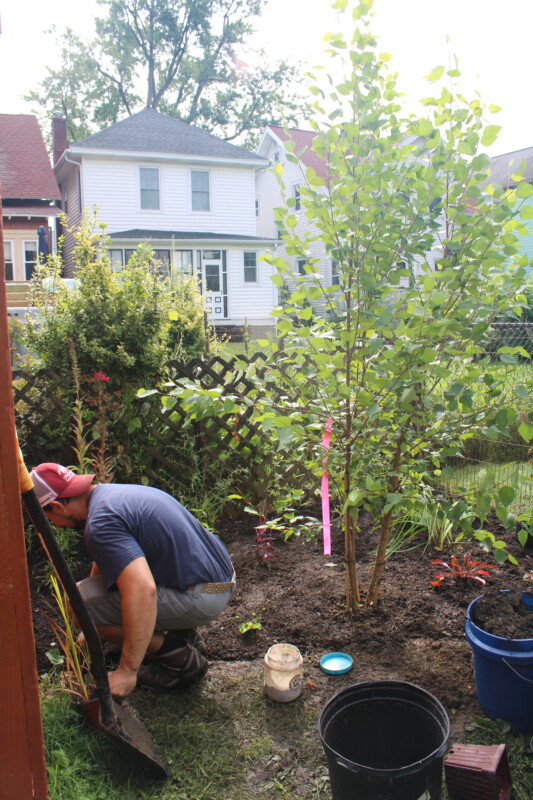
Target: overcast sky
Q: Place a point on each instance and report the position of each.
(491, 39)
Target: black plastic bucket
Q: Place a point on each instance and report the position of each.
(384, 740)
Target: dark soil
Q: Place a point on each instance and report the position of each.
(504, 614)
(414, 634)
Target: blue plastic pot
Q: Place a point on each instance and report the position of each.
(503, 670)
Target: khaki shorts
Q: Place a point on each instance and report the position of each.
(175, 609)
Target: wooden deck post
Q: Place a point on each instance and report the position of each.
(22, 763)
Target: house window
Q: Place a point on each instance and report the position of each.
(149, 179)
(256, 206)
(30, 259)
(278, 228)
(212, 277)
(277, 155)
(162, 258)
(115, 257)
(183, 261)
(8, 258)
(200, 190)
(302, 263)
(296, 195)
(250, 267)
(335, 276)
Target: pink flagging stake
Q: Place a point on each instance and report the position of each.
(326, 524)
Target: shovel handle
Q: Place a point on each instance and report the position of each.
(98, 667)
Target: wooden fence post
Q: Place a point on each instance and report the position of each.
(22, 764)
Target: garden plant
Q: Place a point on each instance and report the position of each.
(426, 254)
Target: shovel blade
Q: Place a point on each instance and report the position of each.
(133, 735)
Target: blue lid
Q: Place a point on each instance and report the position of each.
(336, 663)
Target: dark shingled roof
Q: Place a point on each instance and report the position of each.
(25, 169)
(138, 234)
(153, 132)
(503, 167)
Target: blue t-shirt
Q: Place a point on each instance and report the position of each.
(125, 522)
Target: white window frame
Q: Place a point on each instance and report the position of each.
(177, 263)
(335, 274)
(302, 262)
(209, 192)
(11, 260)
(35, 243)
(116, 257)
(277, 155)
(249, 266)
(297, 197)
(160, 205)
(256, 206)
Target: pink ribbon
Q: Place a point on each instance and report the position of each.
(326, 524)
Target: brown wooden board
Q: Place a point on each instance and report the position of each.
(22, 763)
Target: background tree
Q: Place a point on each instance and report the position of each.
(185, 58)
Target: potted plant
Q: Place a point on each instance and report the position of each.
(73, 657)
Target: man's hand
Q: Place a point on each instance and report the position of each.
(122, 681)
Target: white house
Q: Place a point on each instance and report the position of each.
(269, 196)
(189, 194)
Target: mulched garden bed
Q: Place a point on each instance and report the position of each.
(415, 633)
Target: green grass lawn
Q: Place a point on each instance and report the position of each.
(221, 740)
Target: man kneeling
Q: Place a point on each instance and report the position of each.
(157, 574)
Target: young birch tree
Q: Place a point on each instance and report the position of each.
(393, 353)
(421, 245)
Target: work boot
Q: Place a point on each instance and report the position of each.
(112, 653)
(178, 667)
(193, 637)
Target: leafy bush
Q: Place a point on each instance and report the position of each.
(123, 325)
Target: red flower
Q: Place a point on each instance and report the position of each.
(100, 376)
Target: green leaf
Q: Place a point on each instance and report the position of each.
(526, 212)
(524, 190)
(506, 495)
(423, 127)
(435, 74)
(526, 431)
(490, 134)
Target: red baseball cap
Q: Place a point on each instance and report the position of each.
(51, 481)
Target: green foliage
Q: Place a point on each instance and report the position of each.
(177, 56)
(73, 655)
(420, 250)
(252, 624)
(116, 321)
(115, 332)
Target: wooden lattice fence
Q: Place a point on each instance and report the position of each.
(40, 408)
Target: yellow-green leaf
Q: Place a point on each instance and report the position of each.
(490, 134)
(435, 74)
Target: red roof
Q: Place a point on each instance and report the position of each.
(25, 169)
(302, 142)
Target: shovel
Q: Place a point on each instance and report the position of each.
(114, 719)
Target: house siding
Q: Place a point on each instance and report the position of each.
(249, 301)
(72, 194)
(113, 186)
(269, 194)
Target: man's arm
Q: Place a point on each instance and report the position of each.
(138, 599)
